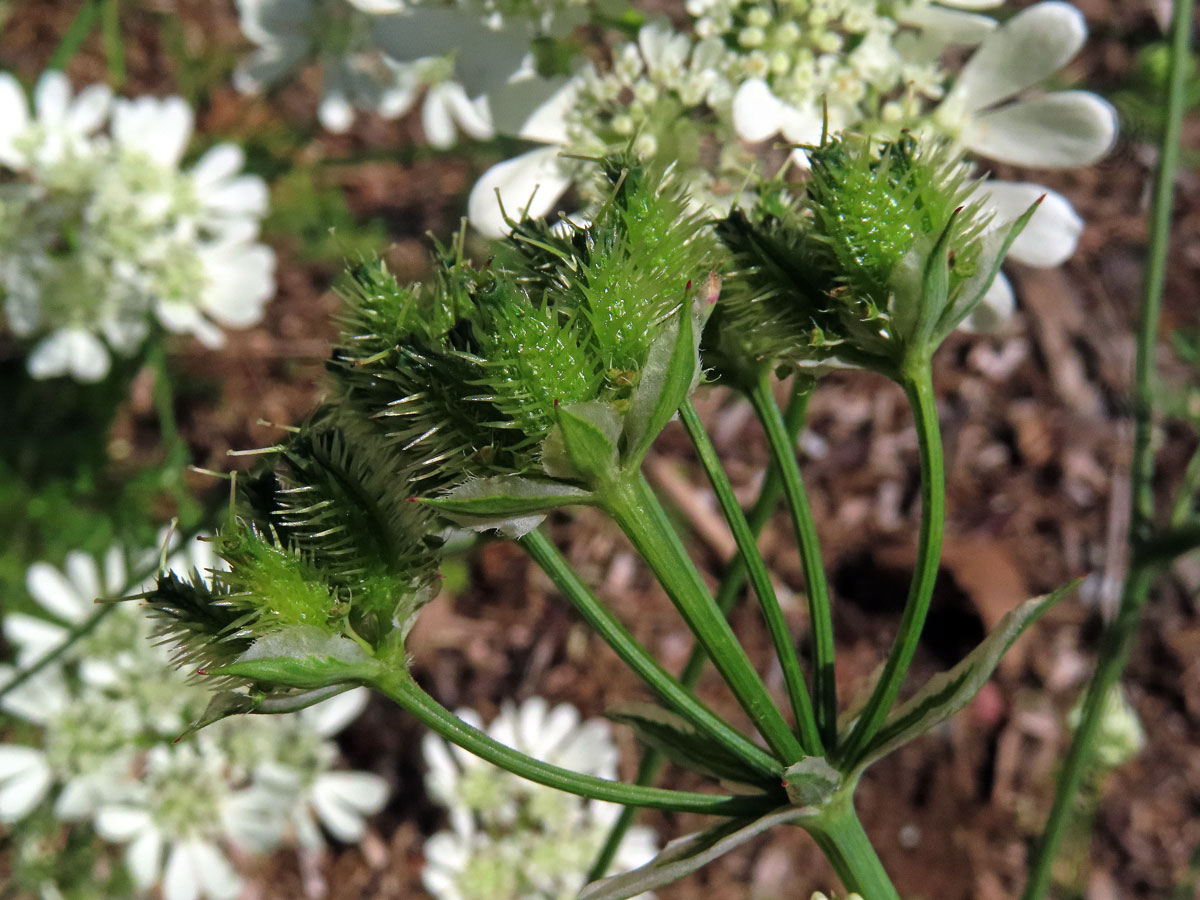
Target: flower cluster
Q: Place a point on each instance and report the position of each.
(102, 233)
(381, 56)
(107, 716)
(752, 74)
(510, 839)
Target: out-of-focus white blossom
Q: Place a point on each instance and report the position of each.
(511, 839)
(107, 715)
(1120, 736)
(102, 233)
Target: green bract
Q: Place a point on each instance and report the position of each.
(886, 252)
(327, 565)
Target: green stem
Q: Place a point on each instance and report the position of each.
(1114, 652)
(75, 35)
(1119, 635)
(840, 835)
(638, 658)
(918, 384)
(783, 454)
(114, 50)
(635, 509)
(727, 593)
(1185, 500)
(399, 686)
(785, 650)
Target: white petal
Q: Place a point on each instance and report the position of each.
(1050, 237)
(217, 164)
(14, 118)
(143, 858)
(16, 759)
(332, 715)
(219, 879)
(378, 7)
(335, 112)
(181, 881)
(90, 109)
(244, 196)
(32, 634)
(972, 4)
(51, 97)
(119, 824)
(530, 184)
(534, 108)
(268, 64)
(757, 113)
(55, 593)
(69, 351)
(472, 116)
(159, 128)
(1064, 129)
(942, 27)
(21, 791)
(1028, 48)
(81, 568)
(994, 310)
(436, 121)
(361, 791)
(342, 818)
(115, 577)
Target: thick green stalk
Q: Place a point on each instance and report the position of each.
(1119, 635)
(399, 686)
(783, 454)
(635, 509)
(840, 835)
(918, 384)
(114, 49)
(638, 658)
(785, 650)
(727, 593)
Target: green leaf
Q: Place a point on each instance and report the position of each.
(582, 445)
(222, 705)
(678, 740)
(811, 782)
(995, 247)
(304, 657)
(671, 372)
(685, 855)
(948, 692)
(507, 503)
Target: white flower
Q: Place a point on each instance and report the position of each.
(100, 232)
(60, 127)
(301, 776)
(1046, 130)
(511, 839)
(179, 812)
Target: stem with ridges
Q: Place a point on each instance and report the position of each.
(727, 593)
(638, 658)
(635, 509)
(1119, 635)
(783, 454)
(839, 834)
(785, 650)
(918, 385)
(398, 685)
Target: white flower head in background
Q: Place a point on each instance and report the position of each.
(510, 839)
(102, 234)
(107, 715)
(338, 34)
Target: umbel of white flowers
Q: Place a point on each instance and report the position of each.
(103, 236)
(511, 839)
(107, 716)
(718, 101)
